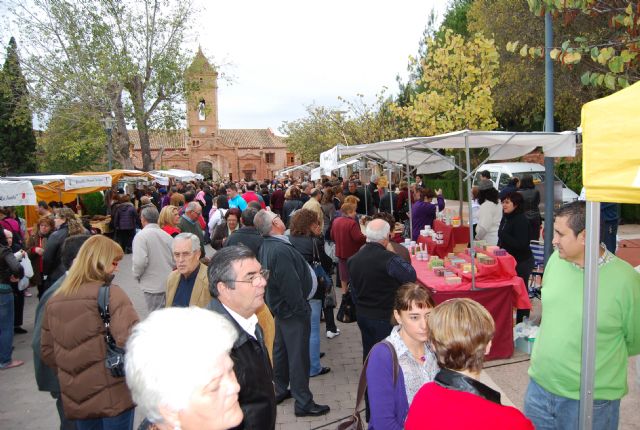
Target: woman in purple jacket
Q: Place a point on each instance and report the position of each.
(389, 402)
(423, 212)
(124, 222)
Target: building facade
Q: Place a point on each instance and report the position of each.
(229, 154)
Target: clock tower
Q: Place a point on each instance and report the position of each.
(202, 99)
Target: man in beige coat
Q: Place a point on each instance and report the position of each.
(188, 285)
(313, 204)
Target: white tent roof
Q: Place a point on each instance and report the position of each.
(17, 193)
(41, 178)
(502, 145)
(183, 175)
(307, 167)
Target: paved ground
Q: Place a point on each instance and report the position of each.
(23, 407)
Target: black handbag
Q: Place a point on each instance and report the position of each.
(347, 311)
(354, 422)
(115, 355)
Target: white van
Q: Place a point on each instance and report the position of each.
(502, 173)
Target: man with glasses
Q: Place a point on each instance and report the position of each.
(237, 283)
(188, 284)
(289, 287)
(553, 396)
(189, 224)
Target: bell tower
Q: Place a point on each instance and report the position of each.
(202, 97)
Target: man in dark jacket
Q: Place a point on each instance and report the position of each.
(365, 205)
(247, 235)
(237, 284)
(277, 200)
(289, 287)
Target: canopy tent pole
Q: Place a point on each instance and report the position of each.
(406, 151)
(389, 186)
(365, 188)
(548, 126)
(589, 315)
(472, 251)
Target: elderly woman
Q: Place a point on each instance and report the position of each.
(35, 249)
(424, 211)
(460, 333)
(224, 230)
(348, 237)
(201, 394)
(389, 402)
(306, 236)
(73, 339)
(168, 220)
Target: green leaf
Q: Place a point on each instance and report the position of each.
(610, 81)
(594, 53)
(565, 45)
(585, 78)
(623, 82)
(580, 39)
(616, 64)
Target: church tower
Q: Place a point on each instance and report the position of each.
(202, 98)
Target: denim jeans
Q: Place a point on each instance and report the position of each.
(124, 421)
(550, 412)
(6, 327)
(372, 331)
(314, 338)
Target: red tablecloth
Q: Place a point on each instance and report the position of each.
(451, 236)
(498, 303)
(498, 290)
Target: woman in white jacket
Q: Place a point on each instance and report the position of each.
(489, 214)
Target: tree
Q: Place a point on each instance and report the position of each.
(457, 78)
(455, 18)
(74, 141)
(610, 55)
(17, 140)
(519, 94)
(120, 56)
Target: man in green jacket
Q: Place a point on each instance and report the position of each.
(189, 224)
(553, 395)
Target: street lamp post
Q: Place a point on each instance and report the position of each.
(108, 122)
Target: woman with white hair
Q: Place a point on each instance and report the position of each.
(179, 370)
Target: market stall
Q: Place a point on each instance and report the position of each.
(17, 193)
(179, 174)
(448, 237)
(611, 173)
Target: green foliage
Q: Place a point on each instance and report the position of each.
(94, 204)
(610, 52)
(17, 141)
(570, 172)
(630, 213)
(457, 81)
(74, 141)
(450, 187)
(455, 18)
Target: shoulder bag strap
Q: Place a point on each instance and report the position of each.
(103, 308)
(316, 253)
(394, 358)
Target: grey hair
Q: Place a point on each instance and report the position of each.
(150, 214)
(248, 215)
(195, 241)
(221, 266)
(149, 360)
(192, 206)
(263, 221)
(377, 230)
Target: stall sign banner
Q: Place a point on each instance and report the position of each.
(89, 181)
(329, 159)
(18, 193)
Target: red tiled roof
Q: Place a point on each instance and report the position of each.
(244, 138)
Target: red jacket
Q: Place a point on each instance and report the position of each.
(346, 233)
(251, 196)
(437, 407)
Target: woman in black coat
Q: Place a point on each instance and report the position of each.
(306, 236)
(531, 204)
(10, 272)
(514, 235)
(292, 203)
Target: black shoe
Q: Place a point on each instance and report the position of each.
(281, 398)
(321, 354)
(314, 411)
(19, 330)
(323, 371)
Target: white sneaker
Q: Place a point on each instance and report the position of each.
(332, 334)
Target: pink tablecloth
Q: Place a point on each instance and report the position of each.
(451, 236)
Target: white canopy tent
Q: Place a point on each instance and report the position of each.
(306, 167)
(183, 175)
(17, 193)
(416, 152)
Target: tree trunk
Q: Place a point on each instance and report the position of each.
(120, 136)
(136, 89)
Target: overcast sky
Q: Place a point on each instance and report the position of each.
(287, 54)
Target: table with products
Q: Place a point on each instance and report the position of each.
(451, 236)
(498, 289)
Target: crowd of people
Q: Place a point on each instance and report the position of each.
(232, 334)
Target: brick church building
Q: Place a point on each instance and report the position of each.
(204, 148)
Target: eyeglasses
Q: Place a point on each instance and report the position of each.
(254, 279)
(181, 255)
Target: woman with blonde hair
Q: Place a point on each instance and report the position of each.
(73, 339)
(169, 219)
(460, 333)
